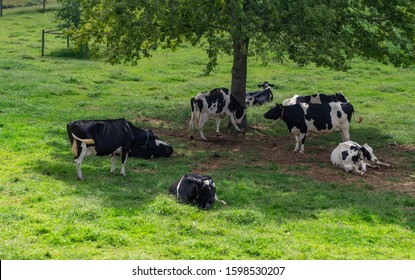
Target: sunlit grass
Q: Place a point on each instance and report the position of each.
(46, 213)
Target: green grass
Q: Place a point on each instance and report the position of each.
(45, 213)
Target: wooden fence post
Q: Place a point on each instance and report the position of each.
(44, 5)
(43, 42)
(1, 8)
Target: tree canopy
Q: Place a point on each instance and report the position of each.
(325, 32)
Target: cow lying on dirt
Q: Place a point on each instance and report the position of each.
(354, 158)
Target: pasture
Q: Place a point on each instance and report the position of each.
(280, 205)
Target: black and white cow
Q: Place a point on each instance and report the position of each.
(306, 118)
(318, 98)
(354, 157)
(215, 104)
(107, 137)
(195, 189)
(260, 97)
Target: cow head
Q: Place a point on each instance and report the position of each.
(239, 114)
(156, 146)
(250, 101)
(274, 113)
(265, 85)
(206, 191)
(340, 97)
(162, 150)
(367, 152)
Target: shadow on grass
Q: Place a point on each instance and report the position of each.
(266, 188)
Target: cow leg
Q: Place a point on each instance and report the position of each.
(113, 162)
(221, 201)
(192, 125)
(358, 168)
(363, 166)
(384, 164)
(234, 123)
(375, 166)
(203, 119)
(345, 134)
(297, 143)
(302, 138)
(124, 157)
(79, 159)
(217, 126)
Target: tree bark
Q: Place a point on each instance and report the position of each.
(239, 72)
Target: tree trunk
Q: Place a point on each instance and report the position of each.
(239, 72)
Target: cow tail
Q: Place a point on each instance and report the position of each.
(71, 138)
(195, 113)
(359, 119)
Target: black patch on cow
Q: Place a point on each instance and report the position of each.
(216, 98)
(348, 110)
(320, 115)
(303, 99)
(356, 158)
(234, 104)
(345, 154)
(293, 116)
(339, 114)
(340, 97)
(354, 148)
(366, 153)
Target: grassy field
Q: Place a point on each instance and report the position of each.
(279, 208)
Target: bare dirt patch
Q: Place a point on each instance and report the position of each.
(314, 163)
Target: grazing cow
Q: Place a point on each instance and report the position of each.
(261, 96)
(107, 137)
(305, 118)
(318, 98)
(215, 104)
(163, 150)
(195, 189)
(352, 157)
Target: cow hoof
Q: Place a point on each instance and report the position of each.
(191, 137)
(218, 135)
(204, 140)
(80, 179)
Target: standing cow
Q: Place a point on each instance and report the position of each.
(215, 104)
(107, 137)
(352, 157)
(318, 98)
(304, 118)
(195, 189)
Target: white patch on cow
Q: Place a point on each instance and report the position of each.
(159, 142)
(291, 101)
(178, 187)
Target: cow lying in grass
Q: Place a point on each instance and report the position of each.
(195, 189)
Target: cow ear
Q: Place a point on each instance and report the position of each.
(272, 85)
